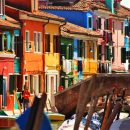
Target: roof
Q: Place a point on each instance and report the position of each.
(75, 29)
(82, 5)
(123, 11)
(39, 14)
(6, 24)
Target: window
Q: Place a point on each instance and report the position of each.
(106, 24)
(39, 42)
(1, 7)
(122, 28)
(40, 83)
(35, 41)
(99, 23)
(31, 84)
(89, 22)
(113, 26)
(47, 42)
(56, 44)
(123, 55)
(28, 46)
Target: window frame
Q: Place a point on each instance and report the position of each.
(27, 43)
(39, 49)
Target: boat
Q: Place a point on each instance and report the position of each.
(55, 116)
(6, 121)
(69, 124)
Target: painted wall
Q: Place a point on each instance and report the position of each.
(52, 57)
(118, 39)
(6, 66)
(76, 17)
(33, 61)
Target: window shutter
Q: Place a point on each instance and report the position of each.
(113, 54)
(63, 50)
(47, 42)
(1, 84)
(99, 23)
(110, 24)
(70, 51)
(128, 56)
(123, 55)
(80, 42)
(99, 52)
(90, 22)
(0, 42)
(56, 44)
(95, 22)
(107, 53)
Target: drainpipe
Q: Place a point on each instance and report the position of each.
(43, 51)
(64, 23)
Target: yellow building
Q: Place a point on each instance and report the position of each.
(52, 58)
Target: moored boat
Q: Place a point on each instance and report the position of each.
(55, 116)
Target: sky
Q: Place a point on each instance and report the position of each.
(126, 3)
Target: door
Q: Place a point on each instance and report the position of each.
(4, 101)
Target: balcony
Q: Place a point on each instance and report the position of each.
(17, 65)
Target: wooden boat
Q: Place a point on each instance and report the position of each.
(55, 116)
(7, 121)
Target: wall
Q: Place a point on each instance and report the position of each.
(118, 39)
(52, 57)
(6, 66)
(76, 17)
(32, 61)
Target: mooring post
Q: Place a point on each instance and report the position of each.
(91, 111)
(116, 109)
(107, 111)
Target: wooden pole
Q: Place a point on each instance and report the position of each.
(39, 115)
(107, 112)
(91, 111)
(122, 99)
(116, 109)
(105, 107)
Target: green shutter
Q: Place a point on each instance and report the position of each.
(99, 52)
(63, 50)
(69, 52)
(1, 84)
(80, 44)
(123, 55)
(128, 56)
(113, 51)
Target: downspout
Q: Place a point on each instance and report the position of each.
(64, 23)
(43, 51)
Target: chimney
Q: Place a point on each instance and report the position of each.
(34, 5)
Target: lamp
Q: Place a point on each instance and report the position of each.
(90, 50)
